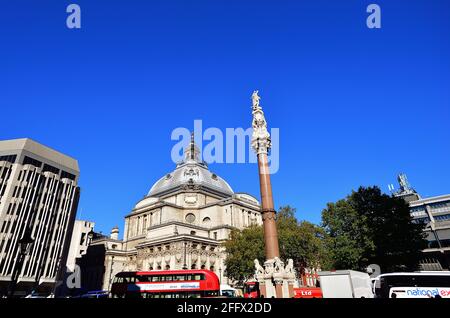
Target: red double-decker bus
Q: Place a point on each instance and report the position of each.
(251, 290)
(166, 284)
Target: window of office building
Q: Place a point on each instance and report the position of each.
(31, 161)
(9, 158)
(441, 218)
(67, 175)
(50, 169)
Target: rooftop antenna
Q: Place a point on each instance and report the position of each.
(391, 188)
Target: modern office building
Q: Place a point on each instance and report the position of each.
(435, 213)
(179, 224)
(38, 197)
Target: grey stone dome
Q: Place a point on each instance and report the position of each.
(190, 172)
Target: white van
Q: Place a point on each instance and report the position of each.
(228, 291)
(345, 284)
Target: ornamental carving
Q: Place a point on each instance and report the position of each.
(190, 198)
(203, 258)
(269, 216)
(191, 172)
(278, 266)
(259, 270)
(191, 186)
(260, 137)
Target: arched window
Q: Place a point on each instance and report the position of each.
(194, 266)
(203, 267)
(193, 233)
(211, 268)
(206, 220)
(167, 267)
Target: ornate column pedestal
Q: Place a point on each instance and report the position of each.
(275, 280)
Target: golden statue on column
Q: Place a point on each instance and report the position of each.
(275, 280)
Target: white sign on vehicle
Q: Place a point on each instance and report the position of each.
(164, 286)
(419, 292)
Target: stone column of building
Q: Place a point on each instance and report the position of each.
(274, 270)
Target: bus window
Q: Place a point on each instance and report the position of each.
(155, 278)
(142, 279)
(167, 278)
(198, 277)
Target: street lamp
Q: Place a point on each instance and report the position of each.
(24, 248)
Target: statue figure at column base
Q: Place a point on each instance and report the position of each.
(275, 279)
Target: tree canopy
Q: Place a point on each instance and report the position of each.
(368, 227)
(301, 241)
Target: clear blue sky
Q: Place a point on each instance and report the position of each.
(354, 106)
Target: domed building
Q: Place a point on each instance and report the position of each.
(179, 224)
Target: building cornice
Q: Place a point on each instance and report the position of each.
(430, 200)
(178, 238)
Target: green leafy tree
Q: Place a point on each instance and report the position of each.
(301, 241)
(347, 235)
(242, 249)
(371, 227)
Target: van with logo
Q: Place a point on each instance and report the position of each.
(413, 285)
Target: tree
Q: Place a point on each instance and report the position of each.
(398, 241)
(301, 241)
(370, 227)
(242, 249)
(347, 235)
